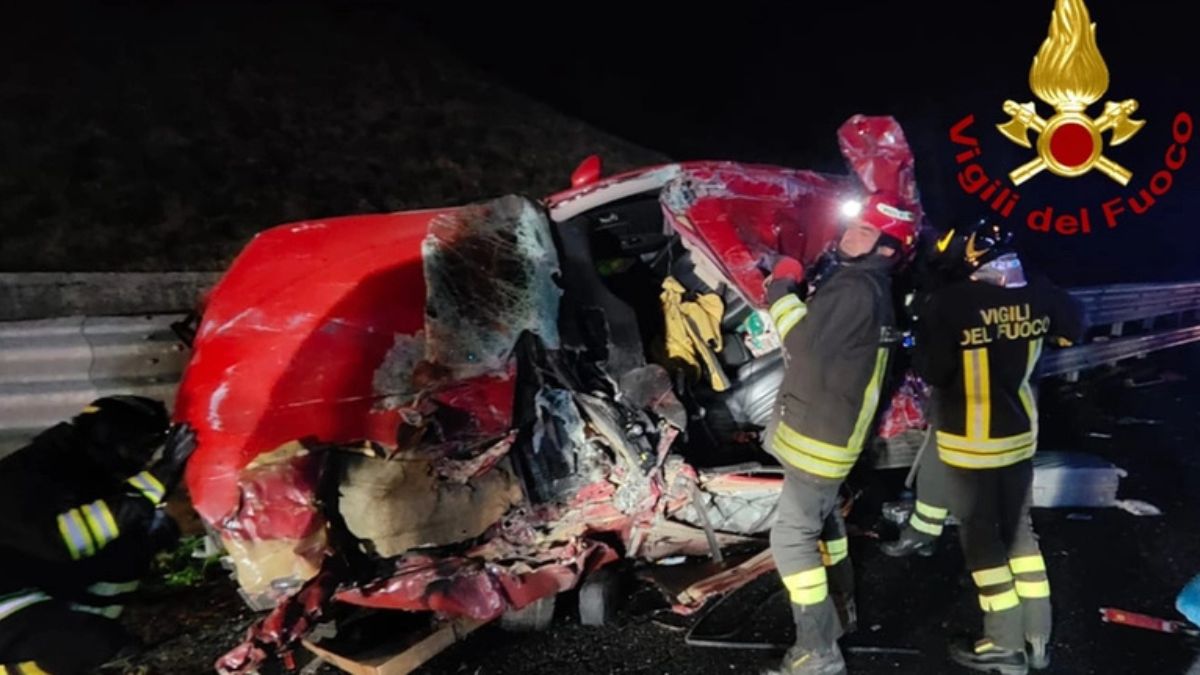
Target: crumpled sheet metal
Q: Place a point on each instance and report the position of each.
(480, 589)
(290, 341)
(878, 153)
(282, 628)
(276, 536)
(489, 276)
(736, 215)
(536, 550)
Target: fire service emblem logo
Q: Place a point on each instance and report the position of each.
(1069, 74)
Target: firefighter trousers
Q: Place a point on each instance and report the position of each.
(1002, 551)
(49, 636)
(811, 551)
(928, 519)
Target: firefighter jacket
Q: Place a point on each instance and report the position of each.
(978, 344)
(836, 349)
(69, 528)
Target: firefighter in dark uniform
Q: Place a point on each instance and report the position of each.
(79, 526)
(978, 344)
(836, 347)
(939, 263)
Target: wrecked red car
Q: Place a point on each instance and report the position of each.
(465, 410)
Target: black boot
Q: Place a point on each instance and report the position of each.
(909, 543)
(1038, 650)
(986, 657)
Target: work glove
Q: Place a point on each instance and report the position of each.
(179, 446)
(163, 532)
(788, 268)
(167, 471)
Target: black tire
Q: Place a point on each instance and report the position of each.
(532, 618)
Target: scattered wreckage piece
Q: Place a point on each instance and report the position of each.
(399, 660)
(1134, 620)
(694, 596)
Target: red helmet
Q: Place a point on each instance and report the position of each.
(894, 217)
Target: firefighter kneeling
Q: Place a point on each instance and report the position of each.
(978, 344)
(79, 526)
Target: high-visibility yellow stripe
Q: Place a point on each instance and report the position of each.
(808, 587)
(813, 465)
(109, 520)
(971, 460)
(785, 305)
(985, 453)
(926, 528)
(834, 551)
(64, 531)
(1026, 391)
(985, 392)
(931, 512)
(809, 577)
(1027, 564)
(95, 525)
(31, 668)
(788, 322)
(978, 388)
(801, 443)
(809, 596)
(837, 546)
(870, 402)
(999, 602)
(982, 445)
(1033, 589)
(15, 603)
(101, 522)
(149, 486)
(76, 519)
(984, 646)
(89, 409)
(109, 611)
(75, 535)
(110, 588)
(811, 455)
(802, 660)
(826, 459)
(992, 576)
(970, 387)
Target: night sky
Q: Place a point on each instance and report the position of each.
(771, 83)
(193, 125)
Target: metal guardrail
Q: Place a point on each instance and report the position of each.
(1075, 359)
(1114, 305)
(51, 369)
